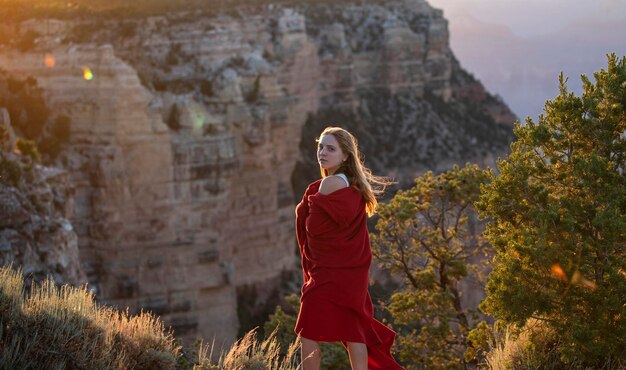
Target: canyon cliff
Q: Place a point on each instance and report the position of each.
(192, 135)
(36, 205)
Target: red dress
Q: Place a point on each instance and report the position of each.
(336, 256)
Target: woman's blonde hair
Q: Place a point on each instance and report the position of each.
(358, 175)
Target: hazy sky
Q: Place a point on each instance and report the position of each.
(533, 17)
(518, 47)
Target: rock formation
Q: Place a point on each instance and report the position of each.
(192, 136)
(35, 233)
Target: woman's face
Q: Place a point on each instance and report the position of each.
(329, 154)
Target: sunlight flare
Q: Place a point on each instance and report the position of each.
(49, 60)
(558, 273)
(87, 74)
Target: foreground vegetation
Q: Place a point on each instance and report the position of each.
(63, 328)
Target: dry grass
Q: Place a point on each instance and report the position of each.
(533, 347)
(63, 328)
(250, 354)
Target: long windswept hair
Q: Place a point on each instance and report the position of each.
(368, 184)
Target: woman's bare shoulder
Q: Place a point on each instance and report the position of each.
(331, 184)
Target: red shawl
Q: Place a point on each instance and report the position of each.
(336, 256)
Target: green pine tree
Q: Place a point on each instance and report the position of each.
(430, 237)
(558, 221)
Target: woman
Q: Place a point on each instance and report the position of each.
(334, 244)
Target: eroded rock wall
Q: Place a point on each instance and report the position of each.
(36, 234)
(174, 219)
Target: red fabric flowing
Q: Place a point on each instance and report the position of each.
(336, 256)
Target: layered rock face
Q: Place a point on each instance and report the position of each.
(390, 77)
(193, 135)
(35, 206)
